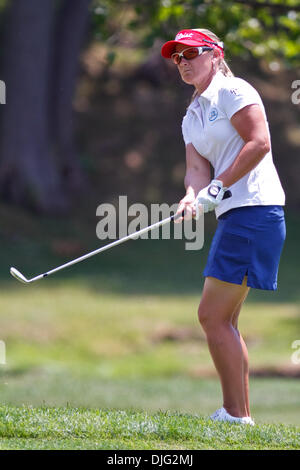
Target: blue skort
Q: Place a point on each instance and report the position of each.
(248, 242)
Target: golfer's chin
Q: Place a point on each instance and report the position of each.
(187, 77)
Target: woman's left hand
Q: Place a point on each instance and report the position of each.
(210, 196)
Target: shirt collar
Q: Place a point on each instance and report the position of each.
(214, 86)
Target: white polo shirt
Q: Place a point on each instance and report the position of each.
(207, 126)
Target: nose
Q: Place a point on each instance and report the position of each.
(183, 61)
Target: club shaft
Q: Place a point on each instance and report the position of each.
(134, 235)
(110, 245)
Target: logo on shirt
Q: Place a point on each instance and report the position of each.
(235, 91)
(213, 114)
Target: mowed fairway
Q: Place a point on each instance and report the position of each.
(110, 354)
(139, 366)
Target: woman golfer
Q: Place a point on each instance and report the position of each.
(225, 126)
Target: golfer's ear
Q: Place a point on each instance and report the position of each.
(216, 56)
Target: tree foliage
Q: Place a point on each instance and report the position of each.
(268, 29)
(39, 161)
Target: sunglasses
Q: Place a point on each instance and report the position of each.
(189, 53)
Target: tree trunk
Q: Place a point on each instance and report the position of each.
(28, 173)
(71, 27)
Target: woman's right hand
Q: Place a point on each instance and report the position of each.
(187, 204)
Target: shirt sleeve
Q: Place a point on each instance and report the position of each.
(238, 95)
(185, 130)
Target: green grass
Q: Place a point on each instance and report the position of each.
(110, 429)
(71, 343)
(274, 400)
(116, 340)
(74, 324)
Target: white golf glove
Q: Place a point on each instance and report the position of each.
(209, 197)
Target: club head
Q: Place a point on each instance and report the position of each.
(15, 273)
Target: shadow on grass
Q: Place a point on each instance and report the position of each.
(138, 267)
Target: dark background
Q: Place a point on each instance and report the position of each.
(91, 107)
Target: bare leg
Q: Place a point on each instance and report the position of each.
(220, 300)
(245, 357)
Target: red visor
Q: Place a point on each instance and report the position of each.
(190, 37)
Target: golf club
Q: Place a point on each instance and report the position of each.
(20, 277)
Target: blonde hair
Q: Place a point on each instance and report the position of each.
(222, 65)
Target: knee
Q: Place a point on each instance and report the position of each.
(204, 317)
(211, 323)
